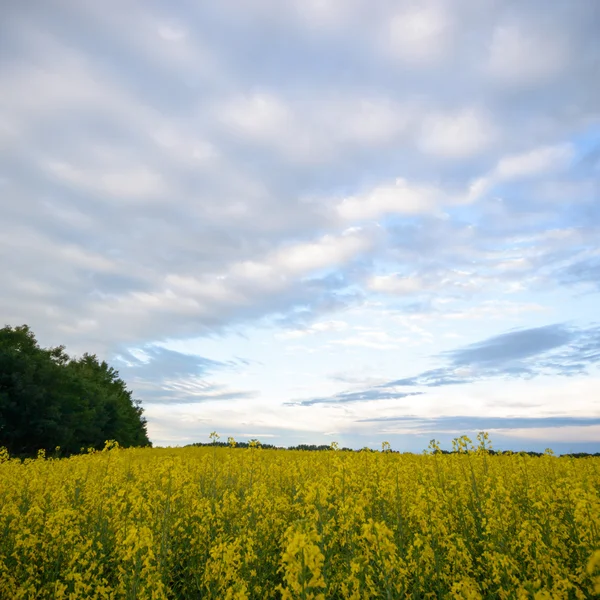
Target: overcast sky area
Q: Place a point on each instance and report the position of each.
(313, 220)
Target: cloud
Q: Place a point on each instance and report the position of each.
(133, 182)
(525, 55)
(316, 328)
(585, 434)
(513, 346)
(472, 423)
(327, 252)
(555, 349)
(373, 339)
(395, 284)
(534, 162)
(419, 33)
(434, 378)
(439, 309)
(457, 135)
(160, 375)
(586, 271)
(159, 363)
(527, 164)
(349, 397)
(191, 391)
(172, 32)
(313, 130)
(399, 197)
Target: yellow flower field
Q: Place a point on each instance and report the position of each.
(229, 523)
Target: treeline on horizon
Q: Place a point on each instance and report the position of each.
(325, 448)
(61, 405)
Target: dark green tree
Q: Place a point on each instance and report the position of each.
(48, 399)
(116, 414)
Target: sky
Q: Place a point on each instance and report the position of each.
(313, 221)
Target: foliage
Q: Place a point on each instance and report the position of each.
(48, 400)
(231, 442)
(224, 522)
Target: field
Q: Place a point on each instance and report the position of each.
(257, 523)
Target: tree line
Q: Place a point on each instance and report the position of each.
(50, 400)
(329, 447)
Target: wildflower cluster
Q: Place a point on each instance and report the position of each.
(241, 523)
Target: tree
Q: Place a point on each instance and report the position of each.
(117, 415)
(48, 399)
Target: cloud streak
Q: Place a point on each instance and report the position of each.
(349, 397)
(556, 349)
(163, 376)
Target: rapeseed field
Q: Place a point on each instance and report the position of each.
(233, 523)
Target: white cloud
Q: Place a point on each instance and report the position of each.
(172, 32)
(213, 297)
(29, 243)
(330, 326)
(450, 280)
(520, 54)
(133, 182)
(329, 251)
(566, 433)
(192, 149)
(160, 36)
(324, 14)
(65, 80)
(261, 116)
(457, 135)
(532, 163)
(280, 267)
(297, 260)
(394, 284)
(375, 340)
(323, 17)
(492, 309)
(315, 129)
(369, 119)
(399, 197)
(419, 33)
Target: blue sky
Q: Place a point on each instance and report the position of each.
(311, 221)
